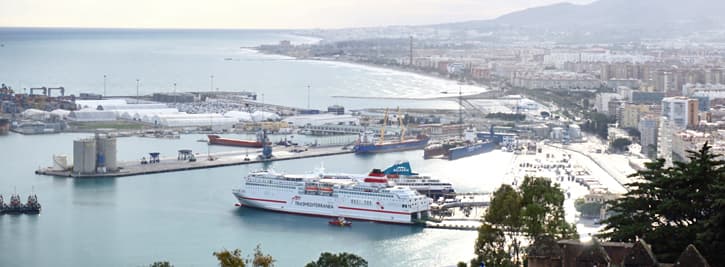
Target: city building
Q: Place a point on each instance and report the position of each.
(554, 80)
(642, 97)
(682, 111)
(601, 101)
(648, 128)
(631, 114)
(688, 140)
(664, 139)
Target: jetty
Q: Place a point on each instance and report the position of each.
(200, 161)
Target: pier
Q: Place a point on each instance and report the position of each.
(202, 161)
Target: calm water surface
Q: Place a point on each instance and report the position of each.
(78, 59)
(184, 216)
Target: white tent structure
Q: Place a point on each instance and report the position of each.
(35, 114)
(240, 116)
(322, 119)
(265, 116)
(134, 106)
(93, 104)
(92, 115)
(61, 113)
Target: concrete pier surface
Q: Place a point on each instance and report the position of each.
(203, 160)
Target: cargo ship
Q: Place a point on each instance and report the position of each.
(454, 149)
(367, 143)
(218, 140)
(370, 198)
(402, 174)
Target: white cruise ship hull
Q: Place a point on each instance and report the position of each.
(291, 201)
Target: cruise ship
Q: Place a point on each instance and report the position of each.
(402, 174)
(370, 198)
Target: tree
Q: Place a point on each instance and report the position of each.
(674, 207)
(260, 259)
(343, 259)
(621, 144)
(230, 258)
(161, 264)
(590, 210)
(543, 209)
(461, 264)
(536, 209)
(505, 212)
(490, 247)
(633, 132)
(597, 123)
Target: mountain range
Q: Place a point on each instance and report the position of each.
(648, 16)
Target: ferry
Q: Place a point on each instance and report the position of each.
(402, 174)
(371, 197)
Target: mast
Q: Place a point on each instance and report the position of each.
(382, 129)
(402, 127)
(460, 111)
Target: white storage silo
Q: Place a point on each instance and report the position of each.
(84, 156)
(106, 149)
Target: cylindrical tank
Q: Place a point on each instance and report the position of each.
(84, 156)
(541, 131)
(60, 162)
(557, 133)
(106, 149)
(575, 132)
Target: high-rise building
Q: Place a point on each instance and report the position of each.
(664, 139)
(681, 111)
(631, 114)
(648, 128)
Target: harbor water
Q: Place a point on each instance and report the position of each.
(183, 217)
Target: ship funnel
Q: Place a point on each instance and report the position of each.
(400, 168)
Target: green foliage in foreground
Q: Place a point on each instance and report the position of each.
(234, 258)
(161, 264)
(343, 259)
(672, 207)
(590, 210)
(536, 209)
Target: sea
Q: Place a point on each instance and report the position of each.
(183, 217)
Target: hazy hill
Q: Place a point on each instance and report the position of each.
(607, 15)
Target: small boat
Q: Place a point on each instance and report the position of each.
(340, 221)
(32, 206)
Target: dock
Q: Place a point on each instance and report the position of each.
(453, 226)
(203, 161)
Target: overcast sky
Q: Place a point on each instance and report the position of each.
(259, 14)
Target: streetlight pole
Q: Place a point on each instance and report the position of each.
(137, 96)
(104, 85)
(174, 93)
(211, 83)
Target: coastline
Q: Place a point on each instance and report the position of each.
(370, 65)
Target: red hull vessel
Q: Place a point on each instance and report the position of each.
(218, 140)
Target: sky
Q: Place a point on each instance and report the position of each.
(252, 14)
